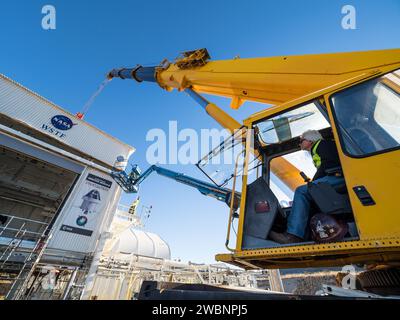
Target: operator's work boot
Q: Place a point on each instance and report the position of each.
(284, 238)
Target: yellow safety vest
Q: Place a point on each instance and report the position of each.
(315, 156)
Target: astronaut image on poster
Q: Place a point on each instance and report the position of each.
(88, 204)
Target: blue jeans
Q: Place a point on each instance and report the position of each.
(298, 217)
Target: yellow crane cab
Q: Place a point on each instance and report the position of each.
(362, 116)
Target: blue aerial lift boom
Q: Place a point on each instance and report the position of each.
(130, 183)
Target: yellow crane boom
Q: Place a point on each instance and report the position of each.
(272, 80)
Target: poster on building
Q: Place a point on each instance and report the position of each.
(88, 205)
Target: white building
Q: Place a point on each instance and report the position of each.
(56, 195)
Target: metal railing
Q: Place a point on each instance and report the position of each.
(123, 212)
(19, 234)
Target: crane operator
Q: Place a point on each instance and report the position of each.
(325, 156)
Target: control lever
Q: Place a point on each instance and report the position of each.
(304, 176)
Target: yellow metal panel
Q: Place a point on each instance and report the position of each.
(318, 255)
(321, 248)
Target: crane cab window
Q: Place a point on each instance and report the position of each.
(227, 159)
(369, 115)
(302, 160)
(278, 136)
(291, 124)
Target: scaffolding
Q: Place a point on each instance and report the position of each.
(22, 243)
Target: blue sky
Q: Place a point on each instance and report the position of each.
(66, 66)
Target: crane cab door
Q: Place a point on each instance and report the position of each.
(366, 127)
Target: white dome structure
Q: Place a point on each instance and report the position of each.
(138, 242)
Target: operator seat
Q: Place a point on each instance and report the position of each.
(331, 199)
(261, 209)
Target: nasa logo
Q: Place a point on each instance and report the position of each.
(62, 122)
